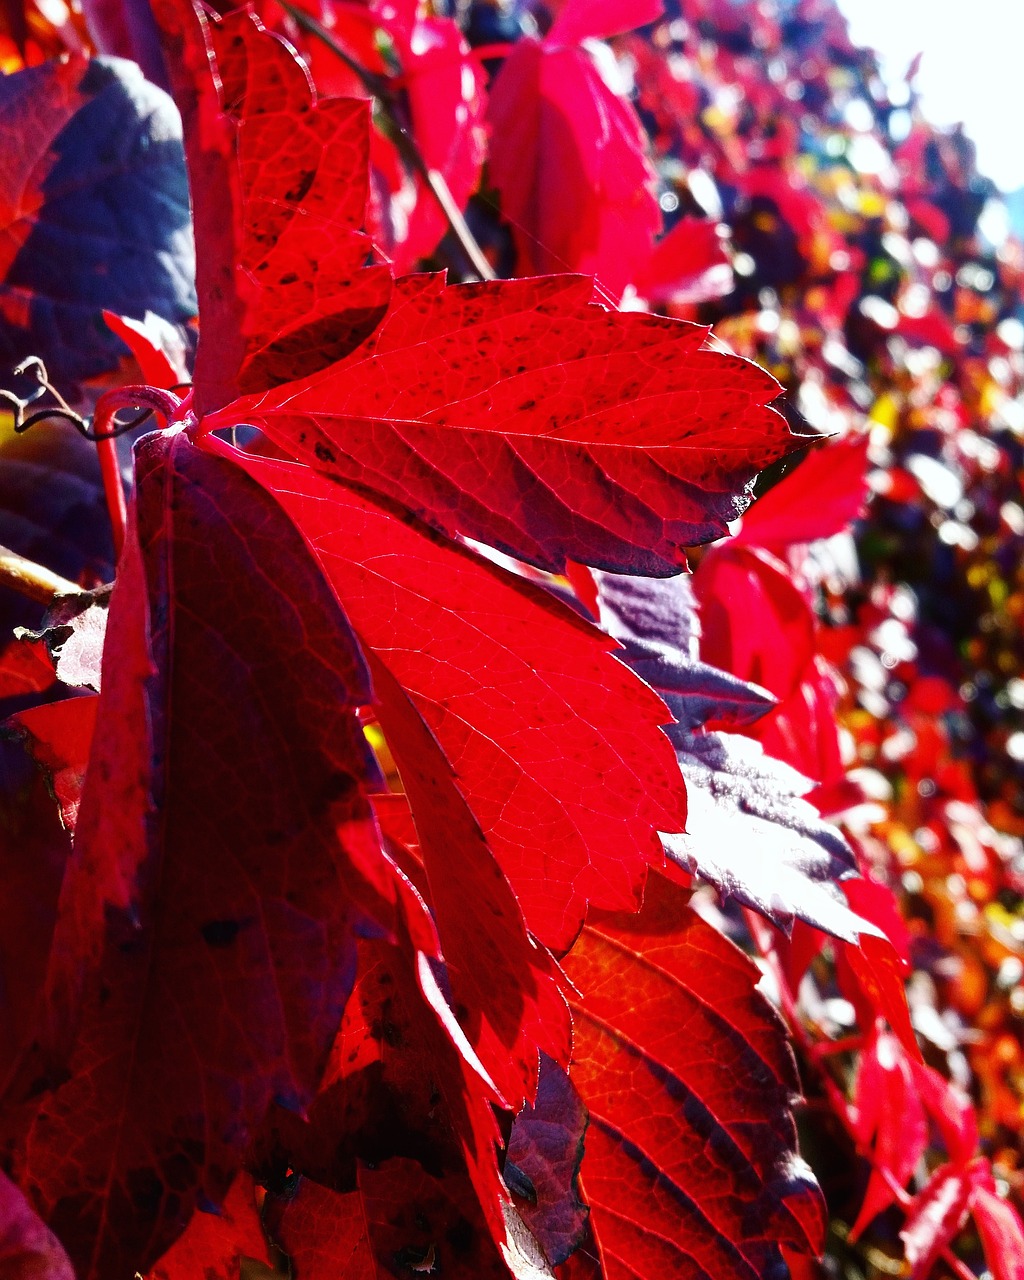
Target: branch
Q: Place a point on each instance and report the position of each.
(33, 580)
(406, 143)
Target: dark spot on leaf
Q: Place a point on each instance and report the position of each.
(295, 193)
(220, 933)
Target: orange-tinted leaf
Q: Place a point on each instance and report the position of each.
(690, 1166)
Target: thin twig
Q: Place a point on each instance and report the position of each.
(33, 580)
(406, 143)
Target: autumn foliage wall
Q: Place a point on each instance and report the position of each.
(470, 838)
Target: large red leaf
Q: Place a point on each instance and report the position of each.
(504, 987)
(224, 854)
(690, 1166)
(279, 185)
(512, 412)
(558, 750)
(28, 1250)
(517, 413)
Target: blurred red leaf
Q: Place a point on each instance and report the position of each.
(936, 1214)
(1001, 1231)
(890, 1122)
(821, 497)
(568, 157)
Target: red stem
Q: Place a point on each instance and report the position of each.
(113, 490)
(104, 428)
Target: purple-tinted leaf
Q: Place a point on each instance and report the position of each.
(73, 632)
(752, 836)
(94, 210)
(656, 621)
(545, 1149)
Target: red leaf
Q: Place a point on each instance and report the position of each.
(399, 1220)
(950, 1110)
(890, 1122)
(569, 162)
(687, 265)
(279, 186)
(821, 497)
(558, 749)
(1002, 1234)
(34, 850)
(206, 927)
(568, 156)
(516, 413)
(871, 971)
(445, 91)
(936, 1215)
(754, 621)
(214, 1244)
(505, 988)
(542, 1164)
(25, 668)
(400, 1083)
(580, 20)
(59, 735)
(142, 338)
(28, 1250)
(690, 1165)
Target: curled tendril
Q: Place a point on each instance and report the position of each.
(105, 424)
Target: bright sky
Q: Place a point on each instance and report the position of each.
(972, 70)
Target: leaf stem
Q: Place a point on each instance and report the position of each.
(381, 89)
(33, 580)
(113, 491)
